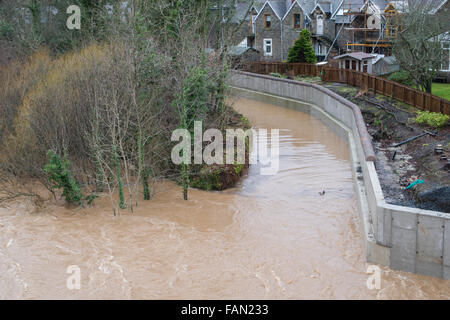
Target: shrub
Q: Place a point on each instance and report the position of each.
(6, 30)
(432, 119)
(402, 77)
(59, 174)
(302, 50)
(277, 75)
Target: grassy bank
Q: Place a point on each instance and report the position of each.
(441, 90)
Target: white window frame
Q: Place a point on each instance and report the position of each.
(320, 17)
(265, 45)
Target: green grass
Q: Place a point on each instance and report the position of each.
(441, 90)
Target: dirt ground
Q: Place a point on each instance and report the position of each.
(391, 122)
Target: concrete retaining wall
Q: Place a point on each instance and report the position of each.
(402, 238)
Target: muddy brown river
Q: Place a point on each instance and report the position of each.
(271, 237)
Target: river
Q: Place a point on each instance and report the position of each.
(270, 237)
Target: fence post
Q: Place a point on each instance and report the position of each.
(355, 78)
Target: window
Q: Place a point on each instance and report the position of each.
(445, 56)
(268, 47)
(319, 49)
(267, 21)
(319, 26)
(297, 20)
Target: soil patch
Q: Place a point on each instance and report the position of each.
(390, 123)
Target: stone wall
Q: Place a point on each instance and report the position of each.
(274, 33)
(402, 238)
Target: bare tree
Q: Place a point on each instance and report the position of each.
(418, 45)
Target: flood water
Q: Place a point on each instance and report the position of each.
(271, 237)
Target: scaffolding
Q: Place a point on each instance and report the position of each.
(365, 27)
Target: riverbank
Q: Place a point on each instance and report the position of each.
(270, 237)
(390, 122)
(218, 177)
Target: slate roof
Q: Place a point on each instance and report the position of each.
(326, 6)
(356, 55)
(279, 7)
(240, 11)
(239, 50)
(391, 60)
(282, 6)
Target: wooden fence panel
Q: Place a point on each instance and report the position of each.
(414, 97)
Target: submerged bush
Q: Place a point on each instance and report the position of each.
(60, 176)
(432, 119)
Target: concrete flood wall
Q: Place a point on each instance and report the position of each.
(402, 238)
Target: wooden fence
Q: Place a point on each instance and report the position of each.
(411, 96)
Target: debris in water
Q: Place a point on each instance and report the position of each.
(322, 192)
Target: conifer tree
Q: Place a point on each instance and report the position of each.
(302, 50)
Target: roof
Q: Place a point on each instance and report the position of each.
(282, 8)
(241, 9)
(325, 7)
(377, 57)
(239, 50)
(271, 4)
(279, 7)
(356, 55)
(298, 3)
(391, 60)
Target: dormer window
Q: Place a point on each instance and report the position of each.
(297, 21)
(267, 21)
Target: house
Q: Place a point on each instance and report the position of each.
(358, 61)
(336, 26)
(277, 24)
(444, 72)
